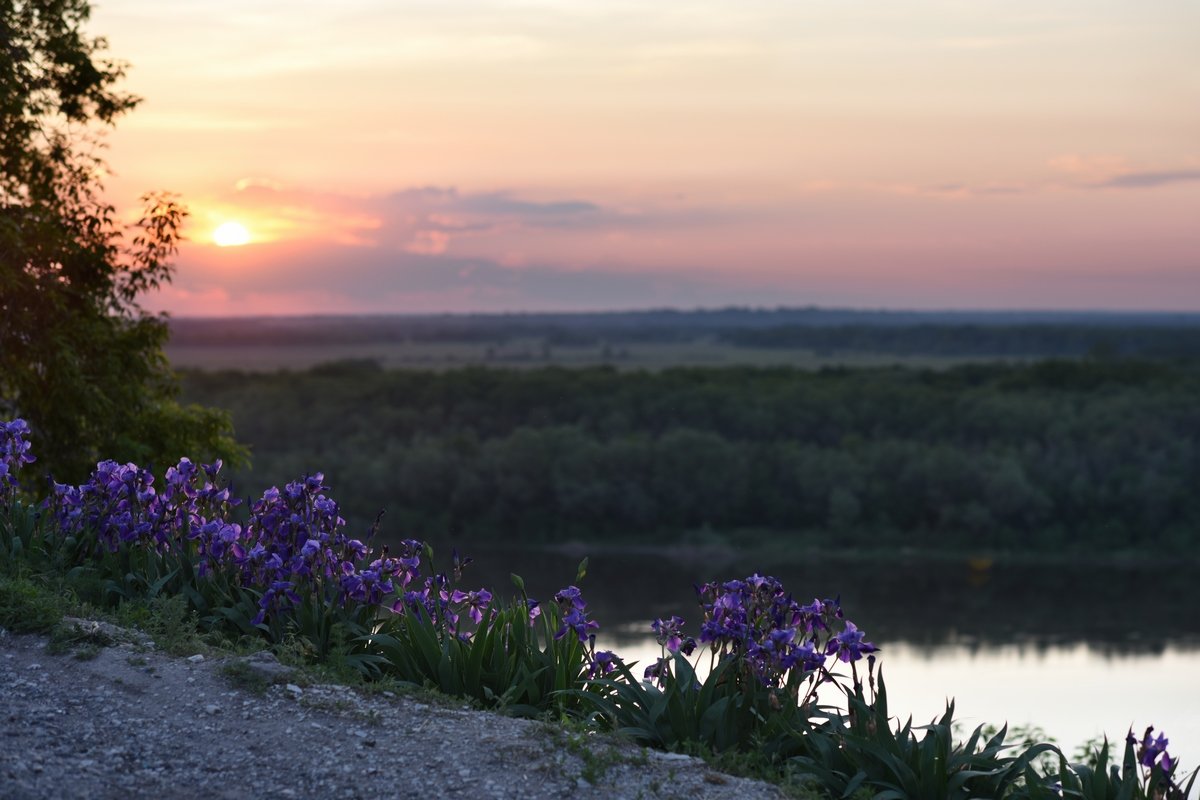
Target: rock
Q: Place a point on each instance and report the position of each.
(295, 690)
(265, 665)
(211, 709)
(671, 756)
(196, 659)
(106, 632)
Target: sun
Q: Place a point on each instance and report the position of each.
(230, 234)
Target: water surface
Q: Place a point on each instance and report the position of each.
(1078, 650)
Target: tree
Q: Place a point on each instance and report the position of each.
(80, 359)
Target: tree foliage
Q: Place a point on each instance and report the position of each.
(1051, 456)
(80, 359)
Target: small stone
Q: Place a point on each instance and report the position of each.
(196, 659)
(34, 666)
(672, 757)
(388, 694)
(295, 690)
(212, 708)
(266, 666)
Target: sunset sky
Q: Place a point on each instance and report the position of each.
(599, 154)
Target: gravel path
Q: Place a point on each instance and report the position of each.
(129, 722)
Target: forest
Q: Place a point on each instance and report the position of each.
(824, 331)
(1086, 455)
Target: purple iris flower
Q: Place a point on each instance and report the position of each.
(458, 563)
(570, 596)
(849, 645)
(602, 663)
(657, 670)
(575, 620)
(667, 632)
(476, 601)
(1151, 748)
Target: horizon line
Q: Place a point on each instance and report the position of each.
(876, 310)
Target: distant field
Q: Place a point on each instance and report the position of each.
(533, 353)
(652, 340)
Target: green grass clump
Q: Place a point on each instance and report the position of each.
(27, 607)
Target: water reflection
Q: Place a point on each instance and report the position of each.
(1079, 651)
(1113, 610)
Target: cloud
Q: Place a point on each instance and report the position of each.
(1137, 180)
(431, 242)
(572, 211)
(414, 279)
(1115, 172)
(505, 225)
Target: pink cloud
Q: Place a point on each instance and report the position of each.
(916, 246)
(429, 243)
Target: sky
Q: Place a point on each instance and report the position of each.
(389, 156)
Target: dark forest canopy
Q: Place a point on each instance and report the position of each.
(1094, 456)
(1025, 334)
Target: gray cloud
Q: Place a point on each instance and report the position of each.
(1138, 180)
(504, 203)
(367, 276)
(497, 206)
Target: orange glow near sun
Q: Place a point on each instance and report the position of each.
(230, 234)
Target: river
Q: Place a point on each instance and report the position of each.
(1077, 650)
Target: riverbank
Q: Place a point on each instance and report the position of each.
(106, 714)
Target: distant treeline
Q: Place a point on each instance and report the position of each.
(1041, 340)
(1027, 334)
(1053, 455)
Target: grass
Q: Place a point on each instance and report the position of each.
(28, 607)
(83, 644)
(598, 755)
(242, 676)
(530, 354)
